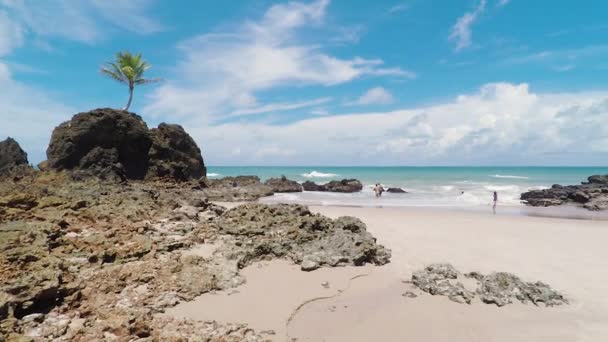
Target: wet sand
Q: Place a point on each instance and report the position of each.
(569, 255)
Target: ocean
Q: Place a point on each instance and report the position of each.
(426, 186)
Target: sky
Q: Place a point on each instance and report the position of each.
(324, 82)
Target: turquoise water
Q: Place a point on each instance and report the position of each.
(427, 186)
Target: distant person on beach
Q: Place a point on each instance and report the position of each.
(378, 190)
(495, 200)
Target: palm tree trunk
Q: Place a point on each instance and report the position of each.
(130, 98)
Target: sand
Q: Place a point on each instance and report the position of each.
(570, 255)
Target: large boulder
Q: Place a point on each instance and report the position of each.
(312, 186)
(283, 185)
(592, 195)
(174, 154)
(345, 185)
(396, 190)
(11, 156)
(117, 145)
(102, 141)
(236, 189)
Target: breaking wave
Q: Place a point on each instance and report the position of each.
(213, 174)
(510, 177)
(315, 174)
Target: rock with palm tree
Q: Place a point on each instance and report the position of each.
(128, 69)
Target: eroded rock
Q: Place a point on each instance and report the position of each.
(592, 195)
(283, 185)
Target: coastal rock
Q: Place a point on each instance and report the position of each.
(498, 288)
(344, 186)
(12, 157)
(116, 145)
(396, 191)
(236, 189)
(174, 154)
(283, 185)
(592, 194)
(311, 240)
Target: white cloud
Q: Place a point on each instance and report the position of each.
(11, 34)
(257, 56)
(377, 95)
(28, 115)
(84, 21)
(501, 123)
(461, 31)
(275, 107)
(503, 2)
(398, 8)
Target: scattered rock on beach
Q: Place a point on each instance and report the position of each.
(498, 288)
(592, 195)
(345, 186)
(283, 185)
(236, 189)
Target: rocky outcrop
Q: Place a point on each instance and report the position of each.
(174, 154)
(236, 189)
(396, 191)
(12, 157)
(592, 195)
(345, 186)
(262, 231)
(283, 185)
(498, 288)
(117, 145)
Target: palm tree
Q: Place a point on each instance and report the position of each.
(128, 69)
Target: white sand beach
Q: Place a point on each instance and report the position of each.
(366, 303)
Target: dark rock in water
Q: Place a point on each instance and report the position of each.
(174, 154)
(345, 186)
(292, 231)
(11, 156)
(498, 288)
(236, 189)
(117, 145)
(312, 186)
(396, 191)
(593, 194)
(283, 185)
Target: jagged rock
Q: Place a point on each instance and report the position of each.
(292, 231)
(12, 157)
(236, 189)
(396, 190)
(283, 185)
(591, 194)
(345, 185)
(498, 288)
(116, 145)
(174, 154)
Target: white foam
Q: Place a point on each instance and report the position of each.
(509, 177)
(213, 174)
(316, 174)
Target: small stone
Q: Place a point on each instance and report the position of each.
(309, 265)
(325, 284)
(409, 294)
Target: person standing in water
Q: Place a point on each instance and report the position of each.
(495, 200)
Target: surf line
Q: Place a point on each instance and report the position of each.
(337, 294)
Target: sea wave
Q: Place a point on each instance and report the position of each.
(316, 174)
(509, 177)
(213, 174)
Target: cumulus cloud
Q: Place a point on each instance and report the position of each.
(377, 95)
(501, 123)
(11, 34)
(257, 56)
(461, 31)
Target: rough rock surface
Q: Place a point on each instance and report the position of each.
(292, 231)
(93, 261)
(345, 185)
(396, 190)
(174, 154)
(592, 195)
(236, 189)
(283, 185)
(498, 288)
(11, 156)
(117, 145)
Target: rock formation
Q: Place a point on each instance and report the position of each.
(283, 185)
(345, 185)
(236, 189)
(592, 195)
(12, 157)
(117, 145)
(498, 288)
(396, 190)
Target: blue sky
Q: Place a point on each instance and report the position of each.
(468, 82)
